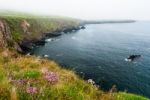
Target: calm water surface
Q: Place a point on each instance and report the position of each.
(98, 52)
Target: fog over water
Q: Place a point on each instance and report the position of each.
(83, 9)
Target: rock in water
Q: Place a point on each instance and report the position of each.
(132, 57)
(82, 27)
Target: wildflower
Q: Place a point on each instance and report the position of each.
(51, 77)
(31, 90)
(19, 82)
(91, 81)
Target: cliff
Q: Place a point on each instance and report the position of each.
(21, 32)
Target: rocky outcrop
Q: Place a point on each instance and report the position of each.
(6, 39)
(25, 26)
(4, 34)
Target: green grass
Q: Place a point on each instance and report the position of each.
(31, 74)
(128, 96)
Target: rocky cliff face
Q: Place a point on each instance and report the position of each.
(4, 34)
(6, 37)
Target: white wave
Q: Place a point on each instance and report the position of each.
(127, 59)
(48, 40)
(45, 56)
(74, 38)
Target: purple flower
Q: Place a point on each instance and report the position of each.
(51, 77)
(31, 90)
(19, 82)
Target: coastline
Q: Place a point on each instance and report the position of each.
(19, 33)
(22, 33)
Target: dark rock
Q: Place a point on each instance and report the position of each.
(52, 34)
(133, 57)
(82, 27)
(40, 42)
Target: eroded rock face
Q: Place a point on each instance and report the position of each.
(6, 37)
(4, 34)
(25, 26)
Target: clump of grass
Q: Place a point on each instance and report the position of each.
(4, 59)
(128, 96)
(31, 74)
(4, 93)
(2, 75)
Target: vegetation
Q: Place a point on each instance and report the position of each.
(29, 77)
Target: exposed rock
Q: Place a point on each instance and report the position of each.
(6, 37)
(25, 26)
(4, 34)
(82, 27)
(133, 57)
(40, 42)
(52, 34)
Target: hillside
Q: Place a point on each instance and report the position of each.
(25, 77)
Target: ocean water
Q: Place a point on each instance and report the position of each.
(99, 51)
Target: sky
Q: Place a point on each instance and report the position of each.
(83, 9)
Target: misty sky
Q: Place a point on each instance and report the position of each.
(84, 9)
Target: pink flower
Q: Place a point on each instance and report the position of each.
(51, 77)
(31, 90)
(19, 82)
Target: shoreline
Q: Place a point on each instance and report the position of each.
(42, 41)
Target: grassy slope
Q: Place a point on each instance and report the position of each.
(15, 67)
